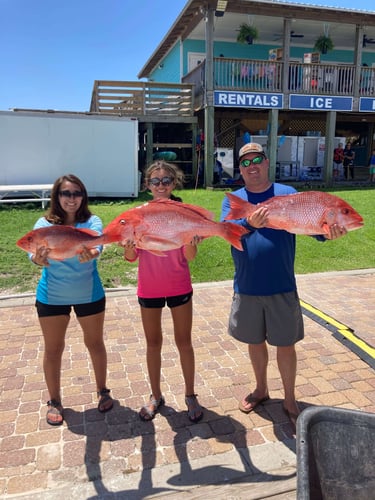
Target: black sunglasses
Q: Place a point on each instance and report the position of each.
(70, 194)
(257, 160)
(165, 181)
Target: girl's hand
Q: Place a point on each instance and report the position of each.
(196, 240)
(130, 252)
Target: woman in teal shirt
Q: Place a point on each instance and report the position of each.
(73, 282)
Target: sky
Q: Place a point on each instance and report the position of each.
(51, 52)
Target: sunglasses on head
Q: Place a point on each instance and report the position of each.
(257, 160)
(165, 181)
(70, 194)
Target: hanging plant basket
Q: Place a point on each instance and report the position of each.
(247, 33)
(323, 44)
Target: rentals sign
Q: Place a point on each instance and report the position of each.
(247, 100)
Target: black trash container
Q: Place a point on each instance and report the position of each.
(335, 454)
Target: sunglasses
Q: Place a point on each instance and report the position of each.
(165, 181)
(69, 194)
(257, 160)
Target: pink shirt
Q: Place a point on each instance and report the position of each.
(163, 276)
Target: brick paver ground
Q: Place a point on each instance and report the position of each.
(90, 446)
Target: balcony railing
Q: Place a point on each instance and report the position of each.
(267, 76)
(142, 98)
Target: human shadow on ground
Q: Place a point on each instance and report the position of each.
(122, 425)
(223, 429)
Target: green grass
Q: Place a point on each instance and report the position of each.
(213, 262)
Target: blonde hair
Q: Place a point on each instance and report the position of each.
(173, 171)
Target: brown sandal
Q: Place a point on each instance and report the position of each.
(105, 398)
(55, 413)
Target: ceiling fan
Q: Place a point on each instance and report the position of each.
(367, 40)
(293, 34)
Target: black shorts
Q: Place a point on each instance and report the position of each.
(80, 309)
(177, 300)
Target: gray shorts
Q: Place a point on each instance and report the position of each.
(276, 319)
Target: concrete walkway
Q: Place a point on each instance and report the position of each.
(228, 454)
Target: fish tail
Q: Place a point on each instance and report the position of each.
(233, 233)
(239, 208)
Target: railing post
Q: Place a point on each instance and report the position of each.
(328, 149)
(209, 117)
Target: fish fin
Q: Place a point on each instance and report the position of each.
(187, 206)
(233, 233)
(239, 208)
(87, 231)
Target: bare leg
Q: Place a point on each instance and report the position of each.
(287, 363)
(258, 354)
(182, 321)
(151, 320)
(93, 337)
(54, 330)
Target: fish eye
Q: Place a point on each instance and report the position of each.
(122, 221)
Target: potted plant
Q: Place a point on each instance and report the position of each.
(247, 33)
(323, 44)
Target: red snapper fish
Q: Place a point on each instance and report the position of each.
(311, 213)
(163, 224)
(63, 241)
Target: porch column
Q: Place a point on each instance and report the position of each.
(273, 119)
(209, 115)
(149, 143)
(286, 55)
(358, 58)
(329, 147)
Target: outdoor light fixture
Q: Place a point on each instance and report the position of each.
(366, 40)
(220, 8)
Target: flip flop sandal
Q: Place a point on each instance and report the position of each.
(195, 411)
(104, 399)
(147, 413)
(56, 410)
(250, 399)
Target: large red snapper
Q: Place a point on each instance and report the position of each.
(63, 241)
(311, 212)
(161, 225)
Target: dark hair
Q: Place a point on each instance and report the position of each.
(55, 213)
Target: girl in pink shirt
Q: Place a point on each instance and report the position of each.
(166, 280)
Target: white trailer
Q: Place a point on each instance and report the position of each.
(36, 147)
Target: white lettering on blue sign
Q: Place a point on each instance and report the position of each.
(248, 100)
(321, 102)
(367, 104)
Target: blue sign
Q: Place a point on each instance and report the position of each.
(321, 102)
(247, 100)
(367, 104)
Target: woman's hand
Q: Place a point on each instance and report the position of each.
(40, 258)
(88, 254)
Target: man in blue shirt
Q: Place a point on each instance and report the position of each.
(265, 307)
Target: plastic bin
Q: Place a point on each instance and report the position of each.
(335, 454)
